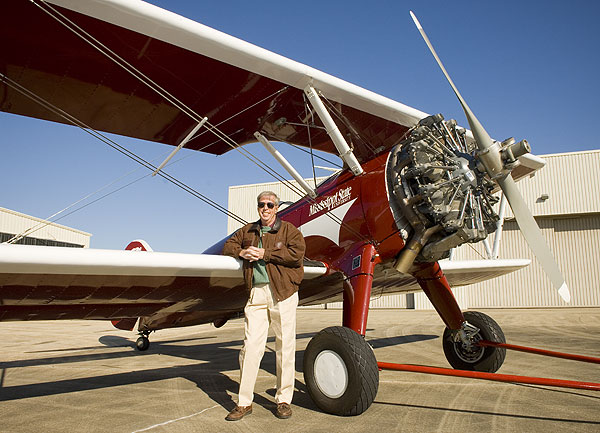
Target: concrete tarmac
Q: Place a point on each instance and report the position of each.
(79, 376)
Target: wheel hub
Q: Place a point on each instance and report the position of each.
(331, 374)
(469, 350)
(466, 343)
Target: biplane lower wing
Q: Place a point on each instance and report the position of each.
(47, 283)
(44, 283)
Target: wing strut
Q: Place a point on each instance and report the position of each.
(284, 162)
(183, 142)
(333, 131)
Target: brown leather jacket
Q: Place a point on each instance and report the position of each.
(284, 253)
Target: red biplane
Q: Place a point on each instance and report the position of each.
(413, 187)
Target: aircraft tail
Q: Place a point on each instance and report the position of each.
(138, 245)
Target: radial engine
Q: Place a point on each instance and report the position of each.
(438, 183)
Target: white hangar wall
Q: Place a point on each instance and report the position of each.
(564, 198)
(14, 223)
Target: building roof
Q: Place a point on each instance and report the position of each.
(14, 222)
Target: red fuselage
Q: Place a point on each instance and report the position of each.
(368, 220)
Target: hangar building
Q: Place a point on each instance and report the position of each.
(564, 198)
(39, 232)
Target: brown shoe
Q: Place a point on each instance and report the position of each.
(238, 413)
(284, 411)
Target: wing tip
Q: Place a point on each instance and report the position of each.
(564, 293)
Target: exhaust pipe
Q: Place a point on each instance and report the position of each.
(412, 249)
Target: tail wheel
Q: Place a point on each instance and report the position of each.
(340, 371)
(469, 355)
(142, 343)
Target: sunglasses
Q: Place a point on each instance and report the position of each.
(262, 204)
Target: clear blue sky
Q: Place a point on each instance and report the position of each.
(528, 69)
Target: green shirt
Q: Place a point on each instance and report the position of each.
(260, 275)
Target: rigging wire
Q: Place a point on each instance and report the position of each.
(103, 49)
(481, 255)
(348, 125)
(48, 221)
(16, 238)
(116, 146)
(315, 155)
(95, 43)
(56, 110)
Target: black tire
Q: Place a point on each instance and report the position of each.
(472, 356)
(334, 390)
(142, 343)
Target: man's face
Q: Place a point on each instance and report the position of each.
(268, 211)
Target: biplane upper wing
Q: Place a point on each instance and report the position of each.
(131, 68)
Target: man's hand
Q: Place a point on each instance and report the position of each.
(252, 254)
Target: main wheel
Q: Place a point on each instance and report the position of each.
(470, 355)
(340, 371)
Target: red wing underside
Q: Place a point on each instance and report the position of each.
(46, 58)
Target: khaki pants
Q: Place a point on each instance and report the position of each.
(262, 310)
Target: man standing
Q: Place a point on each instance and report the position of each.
(273, 252)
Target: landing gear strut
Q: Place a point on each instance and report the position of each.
(340, 369)
(463, 331)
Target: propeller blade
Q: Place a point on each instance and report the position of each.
(533, 236)
(482, 138)
(525, 220)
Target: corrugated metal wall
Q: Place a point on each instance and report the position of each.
(569, 219)
(574, 243)
(570, 180)
(578, 240)
(15, 223)
(242, 199)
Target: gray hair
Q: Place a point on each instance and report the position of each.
(268, 194)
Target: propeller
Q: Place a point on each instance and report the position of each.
(489, 153)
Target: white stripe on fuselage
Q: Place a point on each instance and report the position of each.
(326, 226)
